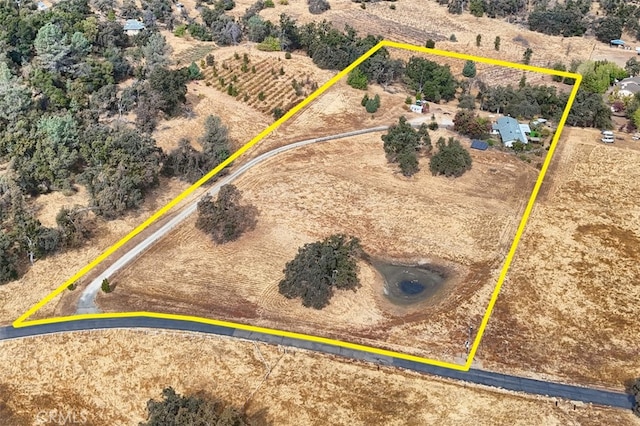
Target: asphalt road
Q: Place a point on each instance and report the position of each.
(487, 378)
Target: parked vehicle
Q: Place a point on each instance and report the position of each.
(607, 140)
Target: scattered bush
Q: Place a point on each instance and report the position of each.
(430, 44)
(277, 113)
(210, 60)
(180, 30)
(287, 55)
(469, 69)
(372, 105)
(433, 125)
(261, 96)
(268, 3)
(496, 43)
(453, 38)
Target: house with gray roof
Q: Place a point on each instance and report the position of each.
(132, 27)
(510, 131)
(628, 86)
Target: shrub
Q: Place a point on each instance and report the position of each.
(372, 105)
(364, 100)
(261, 96)
(194, 72)
(287, 55)
(469, 69)
(357, 79)
(478, 40)
(210, 60)
(106, 287)
(408, 100)
(453, 38)
(496, 43)
(281, 71)
(430, 44)
(253, 69)
(392, 7)
(284, 2)
(180, 30)
(277, 113)
(269, 3)
(236, 56)
(433, 126)
(363, 6)
(270, 44)
(451, 159)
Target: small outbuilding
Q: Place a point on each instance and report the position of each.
(132, 27)
(420, 108)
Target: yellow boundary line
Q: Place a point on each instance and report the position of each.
(22, 320)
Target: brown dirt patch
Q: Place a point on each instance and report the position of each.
(71, 372)
(577, 264)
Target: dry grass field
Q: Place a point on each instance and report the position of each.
(466, 225)
(110, 375)
(569, 308)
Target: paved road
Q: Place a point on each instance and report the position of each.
(514, 383)
(87, 305)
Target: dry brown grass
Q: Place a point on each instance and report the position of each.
(345, 186)
(569, 308)
(112, 374)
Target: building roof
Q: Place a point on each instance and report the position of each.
(631, 84)
(509, 130)
(478, 144)
(617, 42)
(133, 24)
(524, 128)
(41, 6)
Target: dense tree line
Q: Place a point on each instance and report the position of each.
(402, 143)
(526, 102)
(321, 267)
(192, 410)
(63, 118)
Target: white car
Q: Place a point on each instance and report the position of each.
(607, 140)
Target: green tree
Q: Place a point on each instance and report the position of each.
(589, 110)
(526, 56)
(609, 28)
(74, 225)
(122, 165)
(225, 219)
(15, 98)
(401, 142)
(469, 69)
(316, 7)
(357, 79)
(451, 159)
(496, 43)
(476, 7)
(215, 141)
(558, 66)
(632, 67)
(156, 52)
(8, 258)
(171, 87)
(321, 267)
(433, 81)
(106, 286)
(372, 105)
(467, 123)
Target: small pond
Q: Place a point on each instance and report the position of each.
(408, 284)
